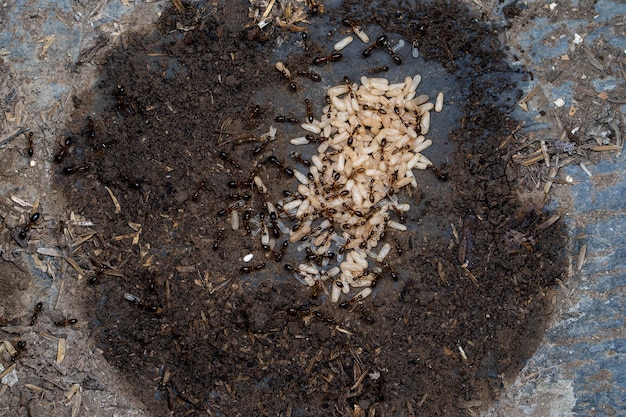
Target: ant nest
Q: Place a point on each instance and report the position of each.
(371, 139)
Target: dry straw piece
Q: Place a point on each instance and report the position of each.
(371, 139)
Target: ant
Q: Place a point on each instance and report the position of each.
(133, 183)
(244, 197)
(21, 346)
(398, 246)
(378, 43)
(226, 158)
(258, 149)
(278, 256)
(309, 110)
(34, 218)
(298, 157)
(280, 67)
(274, 161)
(239, 184)
(218, 239)
(247, 215)
(31, 146)
(96, 278)
(441, 176)
(399, 213)
(388, 268)
(38, 308)
(353, 211)
(318, 259)
(91, 128)
(334, 57)
(317, 289)
(65, 322)
(356, 28)
(310, 74)
(395, 57)
(65, 149)
(143, 305)
(69, 170)
(201, 186)
(256, 112)
(283, 119)
(305, 38)
(107, 145)
(249, 269)
(377, 70)
(119, 94)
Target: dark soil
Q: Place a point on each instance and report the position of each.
(207, 337)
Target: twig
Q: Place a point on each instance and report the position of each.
(13, 136)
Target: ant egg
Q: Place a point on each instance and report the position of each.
(358, 31)
(343, 43)
(439, 102)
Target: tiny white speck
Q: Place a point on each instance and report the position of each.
(578, 39)
(248, 257)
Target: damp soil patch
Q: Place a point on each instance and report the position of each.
(170, 145)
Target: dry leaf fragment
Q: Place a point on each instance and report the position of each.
(7, 371)
(178, 5)
(47, 42)
(69, 394)
(19, 201)
(60, 350)
(50, 252)
(606, 148)
(118, 208)
(33, 387)
(581, 257)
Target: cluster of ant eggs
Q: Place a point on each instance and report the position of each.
(370, 139)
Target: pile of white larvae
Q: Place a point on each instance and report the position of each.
(371, 137)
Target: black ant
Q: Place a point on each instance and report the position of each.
(90, 132)
(96, 278)
(133, 183)
(298, 157)
(218, 239)
(72, 169)
(388, 268)
(283, 119)
(258, 149)
(201, 186)
(38, 308)
(317, 258)
(441, 176)
(19, 348)
(305, 38)
(65, 149)
(249, 269)
(334, 57)
(309, 110)
(310, 74)
(377, 70)
(378, 43)
(143, 305)
(226, 158)
(278, 255)
(31, 146)
(65, 322)
(34, 218)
